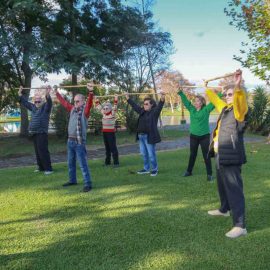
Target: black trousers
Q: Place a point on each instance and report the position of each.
(230, 189)
(42, 153)
(204, 142)
(111, 148)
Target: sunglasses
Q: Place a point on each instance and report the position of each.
(228, 95)
(37, 102)
(146, 104)
(105, 108)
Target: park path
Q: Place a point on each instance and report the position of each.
(97, 153)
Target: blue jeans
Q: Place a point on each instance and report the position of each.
(78, 151)
(148, 152)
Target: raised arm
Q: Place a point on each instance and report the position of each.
(218, 103)
(28, 105)
(89, 102)
(63, 102)
(134, 106)
(48, 105)
(98, 105)
(240, 106)
(160, 105)
(210, 106)
(115, 102)
(186, 102)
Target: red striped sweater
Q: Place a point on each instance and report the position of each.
(108, 119)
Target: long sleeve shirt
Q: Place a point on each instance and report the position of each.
(39, 122)
(108, 118)
(199, 119)
(240, 108)
(69, 106)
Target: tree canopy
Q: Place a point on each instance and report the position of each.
(253, 16)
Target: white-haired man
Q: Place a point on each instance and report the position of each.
(38, 127)
(77, 131)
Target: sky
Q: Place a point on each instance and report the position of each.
(203, 39)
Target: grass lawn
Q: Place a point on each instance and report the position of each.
(129, 221)
(25, 146)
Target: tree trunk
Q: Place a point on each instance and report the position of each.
(27, 83)
(171, 103)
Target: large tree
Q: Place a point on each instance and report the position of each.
(170, 82)
(22, 25)
(253, 16)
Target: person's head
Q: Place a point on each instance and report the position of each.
(79, 100)
(228, 93)
(148, 104)
(106, 107)
(38, 101)
(199, 102)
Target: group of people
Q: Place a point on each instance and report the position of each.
(226, 143)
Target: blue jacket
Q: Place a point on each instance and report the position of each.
(39, 122)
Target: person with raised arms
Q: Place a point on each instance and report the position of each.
(38, 127)
(147, 131)
(77, 131)
(227, 146)
(199, 131)
(108, 129)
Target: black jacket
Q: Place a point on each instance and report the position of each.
(153, 134)
(231, 149)
(39, 122)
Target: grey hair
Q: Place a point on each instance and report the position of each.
(228, 86)
(82, 97)
(108, 104)
(232, 86)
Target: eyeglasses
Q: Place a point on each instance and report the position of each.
(77, 101)
(37, 101)
(146, 104)
(228, 95)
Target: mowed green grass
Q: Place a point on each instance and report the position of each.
(130, 221)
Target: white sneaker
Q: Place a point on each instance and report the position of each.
(37, 170)
(218, 213)
(48, 172)
(236, 232)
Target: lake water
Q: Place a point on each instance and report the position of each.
(14, 127)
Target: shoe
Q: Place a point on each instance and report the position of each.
(143, 171)
(218, 213)
(187, 174)
(116, 165)
(154, 173)
(236, 232)
(69, 184)
(106, 165)
(37, 170)
(48, 172)
(86, 189)
(210, 178)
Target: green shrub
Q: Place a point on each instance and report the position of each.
(131, 120)
(95, 121)
(60, 121)
(259, 112)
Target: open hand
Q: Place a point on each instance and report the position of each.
(20, 91)
(90, 87)
(127, 95)
(238, 77)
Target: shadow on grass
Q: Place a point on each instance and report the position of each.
(137, 222)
